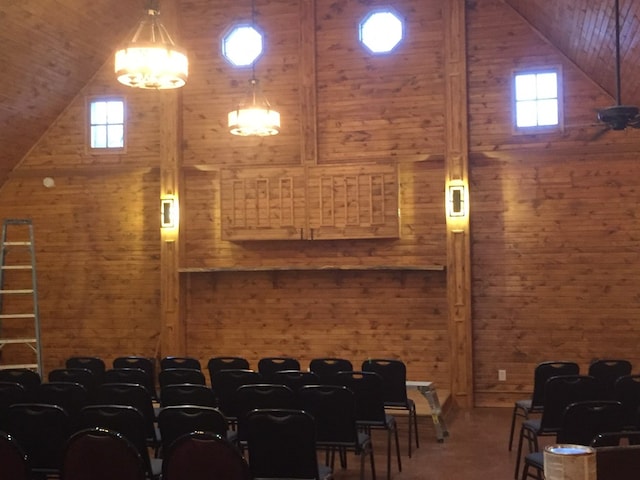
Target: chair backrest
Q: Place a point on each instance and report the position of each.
(204, 456)
(95, 364)
(262, 396)
(124, 419)
(148, 365)
(269, 365)
(394, 379)
(42, 431)
(29, 379)
(607, 371)
(187, 394)
(13, 461)
(334, 409)
(180, 362)
(10, 393)
(130, 375)
(546, 370)
(172, 376)
(136, 361)
(326, 368)
(613, 439)
(101, 454)
(627, 391)
(177, 420)
(215, 364)
(583, 421)
(128, 394)
(282, 444)
(83, 376)
(70, 396)
(562, 390)
(368, 390)
(618, 463)
(225, 385)
(295, 379)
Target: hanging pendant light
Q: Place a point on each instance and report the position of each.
(150, 59)
(255, 116)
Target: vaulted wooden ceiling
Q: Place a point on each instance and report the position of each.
(49, 49)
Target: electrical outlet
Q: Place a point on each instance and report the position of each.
(502, 375)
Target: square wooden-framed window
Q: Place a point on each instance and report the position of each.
(106, 127)
(537, 100)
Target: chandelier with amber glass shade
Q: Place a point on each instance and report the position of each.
(151, 59)
(254, 116)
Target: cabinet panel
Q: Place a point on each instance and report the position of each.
(263, 203)
(353, 201)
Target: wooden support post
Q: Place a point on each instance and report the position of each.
(172, 337)
(456, 168)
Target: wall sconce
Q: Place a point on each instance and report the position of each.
(456, 201)
(168, 212)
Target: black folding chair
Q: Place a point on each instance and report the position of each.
(204, 456)
(101, 454)
(282, 444)
(42, 431)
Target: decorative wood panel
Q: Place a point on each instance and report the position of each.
(263, 204)
(353, 201)
(339, 202)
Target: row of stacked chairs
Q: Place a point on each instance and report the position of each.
(605, 400)
(181, 381)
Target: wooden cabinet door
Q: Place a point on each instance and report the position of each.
(263, 203)
(353, 201)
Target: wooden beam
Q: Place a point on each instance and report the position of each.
(308, 84)
(456, 171)
(172, 337)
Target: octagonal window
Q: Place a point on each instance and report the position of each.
(242, 45)
(381, 31)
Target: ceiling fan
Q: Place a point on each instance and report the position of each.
(619, 116)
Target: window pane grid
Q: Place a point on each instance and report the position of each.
(107, 124)
(536, 99)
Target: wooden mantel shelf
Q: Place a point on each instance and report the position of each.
(311, 268)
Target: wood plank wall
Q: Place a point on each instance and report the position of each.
(554, 228)
(96, 233)
(553, 224)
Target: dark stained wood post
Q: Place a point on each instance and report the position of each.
(456, 173)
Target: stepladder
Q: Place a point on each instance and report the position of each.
(19, 314)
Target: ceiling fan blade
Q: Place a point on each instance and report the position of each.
(634, 122)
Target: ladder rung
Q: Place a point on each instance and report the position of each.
(7, 341)
(26, 290)
(19, 365)
(16, 267)
(18, 315)
(17, 243)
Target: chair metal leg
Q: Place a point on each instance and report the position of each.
(513, 425)
(395, 430)
(519, 453)
(524, 415)
(415, 426)
(410, 420)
